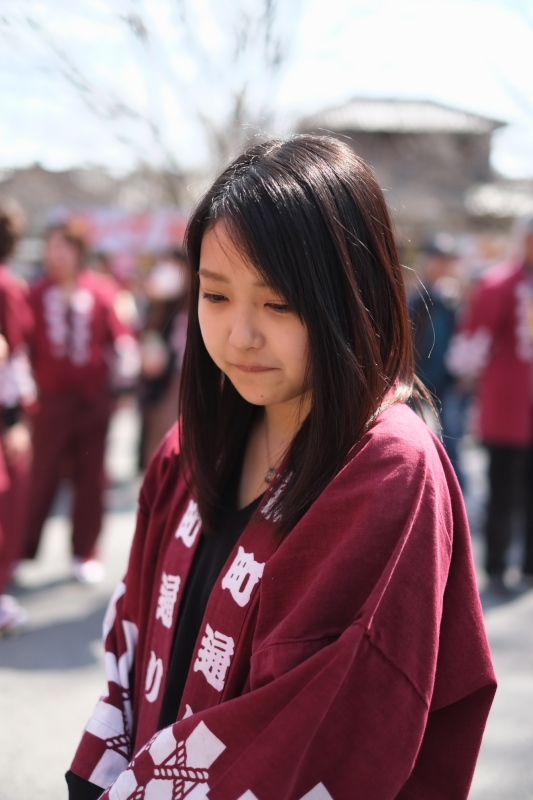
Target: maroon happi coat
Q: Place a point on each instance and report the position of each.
(494, 344)
(345, 660)
(78, 337)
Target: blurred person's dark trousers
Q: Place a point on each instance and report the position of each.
(69, 441)
(510, 475)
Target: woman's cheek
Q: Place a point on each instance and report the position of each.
(211, 331)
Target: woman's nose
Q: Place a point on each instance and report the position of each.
(245, 331)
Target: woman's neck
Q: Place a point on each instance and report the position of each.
(269, 441)
(280, 424)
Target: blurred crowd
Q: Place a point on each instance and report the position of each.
(474, 349)
(89, 332)
(84, 335)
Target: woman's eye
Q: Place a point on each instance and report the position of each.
(213, 298)
(283, 308)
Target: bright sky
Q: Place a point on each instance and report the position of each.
(475, 55)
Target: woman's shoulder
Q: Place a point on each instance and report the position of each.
(399, 446)
(396, 469)
(398, 427)
(170, 445)
(168, 450)
(164, 466)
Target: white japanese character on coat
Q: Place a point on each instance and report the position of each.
(154, 677)
(524, 324)
(190, 524)
(57, 307)
(242, 576)
(82, 303)
(168, 594)
(55, 317)
(214, 657)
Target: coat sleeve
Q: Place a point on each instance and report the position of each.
(393, 706)
(345, 723)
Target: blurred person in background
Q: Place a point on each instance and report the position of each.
(17, 392)
(162, 347)
(81, 349)
(493, 350)
(435, 308)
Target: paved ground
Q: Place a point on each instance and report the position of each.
(51, 676)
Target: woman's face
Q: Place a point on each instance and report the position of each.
(248, 329)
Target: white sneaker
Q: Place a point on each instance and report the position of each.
(88, 570)
(12, 615)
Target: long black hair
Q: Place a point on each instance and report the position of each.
(310, 216)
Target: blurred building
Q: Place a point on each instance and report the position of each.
(433, 162)
(46, 195)
(429, 158)
(500, 199)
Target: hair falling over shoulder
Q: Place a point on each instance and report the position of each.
(310, 216)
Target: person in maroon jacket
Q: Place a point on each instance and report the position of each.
(78, 339)
(17, 391)
(300, 617)
(493, 352)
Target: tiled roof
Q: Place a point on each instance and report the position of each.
(398, 116)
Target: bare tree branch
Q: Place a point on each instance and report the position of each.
(256, 47)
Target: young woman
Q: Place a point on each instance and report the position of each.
(300, 617)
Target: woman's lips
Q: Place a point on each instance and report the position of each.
(252, 368)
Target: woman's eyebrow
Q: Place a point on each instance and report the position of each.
(213, 276)
(217, 276)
